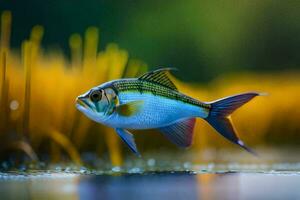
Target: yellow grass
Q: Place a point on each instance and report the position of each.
(39, 87)
(44, 87)
(271, 119)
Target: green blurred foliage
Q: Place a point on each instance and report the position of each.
(202, 38)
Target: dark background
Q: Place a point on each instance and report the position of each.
(204, 39)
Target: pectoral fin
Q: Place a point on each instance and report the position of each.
(129, 108)
(128, 138)
(180, 133)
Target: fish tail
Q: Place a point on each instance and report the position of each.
(219, 114)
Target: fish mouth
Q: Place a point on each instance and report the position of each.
(81, 102)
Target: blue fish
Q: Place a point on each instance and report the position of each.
(152, 101)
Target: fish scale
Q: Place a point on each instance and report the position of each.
(157, 111)
(152, 101)
(144, 87)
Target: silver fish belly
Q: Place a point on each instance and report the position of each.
(157, 111)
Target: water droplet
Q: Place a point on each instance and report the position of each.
(116, 169)
(14, 105)
(135, 170)
(68, 169)
(83, 170)
(151, 162)
(187, 165)
(58, 168)
(210, 166)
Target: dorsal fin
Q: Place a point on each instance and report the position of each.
(180, 133)
(159, 76)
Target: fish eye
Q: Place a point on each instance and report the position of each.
(96, 95)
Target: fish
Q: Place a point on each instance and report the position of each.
(152, 101)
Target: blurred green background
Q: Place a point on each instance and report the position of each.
(224, 47)
(203, 39)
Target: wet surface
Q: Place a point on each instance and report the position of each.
(191, 186)
(159, 176)
(163, 185)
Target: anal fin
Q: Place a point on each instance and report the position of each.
(180, 133)
(128, 138)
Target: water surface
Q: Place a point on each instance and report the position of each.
(163, 185)
(160, 176)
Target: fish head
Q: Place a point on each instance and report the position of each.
(98, 103)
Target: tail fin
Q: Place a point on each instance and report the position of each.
(219, 116)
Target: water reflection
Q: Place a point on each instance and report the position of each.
(45, 186)
(152, 186)
(190, 186)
